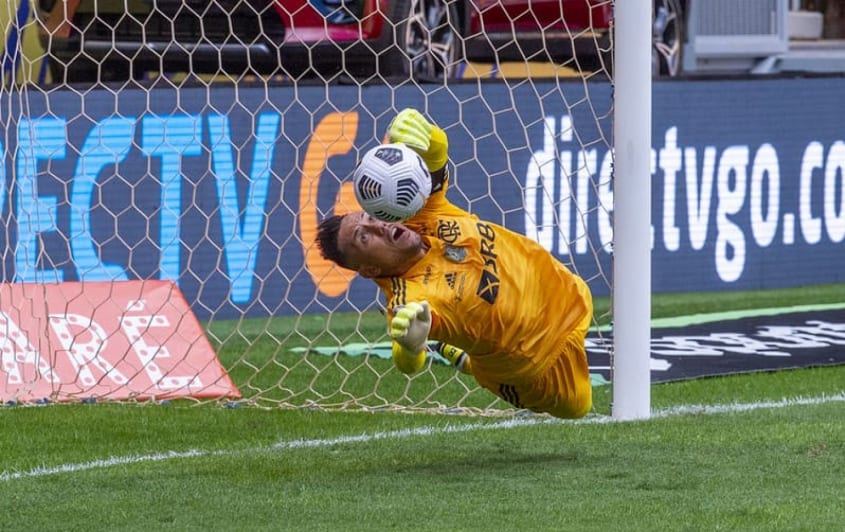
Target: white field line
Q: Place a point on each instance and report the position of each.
(681, 410)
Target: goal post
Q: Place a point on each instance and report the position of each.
(134, 170)
(632, 210)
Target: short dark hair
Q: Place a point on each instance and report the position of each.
(327, 232)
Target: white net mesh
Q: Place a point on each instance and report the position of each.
(200, 142)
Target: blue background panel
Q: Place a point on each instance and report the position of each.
(217, 188)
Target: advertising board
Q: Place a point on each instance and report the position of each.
(220, 189)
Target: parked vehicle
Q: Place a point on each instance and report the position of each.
(427, 40)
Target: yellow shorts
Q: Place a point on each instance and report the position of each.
(564, 390)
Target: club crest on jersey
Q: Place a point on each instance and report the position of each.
(455, 254)
(390, 156)
(448, 230)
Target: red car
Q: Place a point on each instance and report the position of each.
(379, 40)
(428, 39)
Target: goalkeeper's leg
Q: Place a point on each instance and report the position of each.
(456, 356)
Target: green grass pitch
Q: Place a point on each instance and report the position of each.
(748, 452)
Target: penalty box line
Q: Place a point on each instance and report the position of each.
(676, 411)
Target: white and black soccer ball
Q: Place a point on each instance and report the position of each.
(391, 182)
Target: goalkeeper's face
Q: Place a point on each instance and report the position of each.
(378, 249)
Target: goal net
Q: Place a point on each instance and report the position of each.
(200, 142)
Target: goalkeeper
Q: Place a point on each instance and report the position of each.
(504, 309)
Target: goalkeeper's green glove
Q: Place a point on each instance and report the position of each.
(411, 128)
(409, 329)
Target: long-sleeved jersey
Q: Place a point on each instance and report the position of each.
(495, 293)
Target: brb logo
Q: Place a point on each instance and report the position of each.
(488, 285)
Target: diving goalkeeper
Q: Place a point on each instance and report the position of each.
(504, 309)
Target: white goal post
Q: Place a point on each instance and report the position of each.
(204, 163)
(632, 209)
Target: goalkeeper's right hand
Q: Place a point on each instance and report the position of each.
(410, 326)
(411, 128)
(409, 329)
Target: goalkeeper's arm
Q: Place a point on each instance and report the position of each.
(411, 128)
(409, 329)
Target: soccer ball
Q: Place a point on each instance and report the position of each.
(391, 182)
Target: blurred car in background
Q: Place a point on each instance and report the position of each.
(361, 40)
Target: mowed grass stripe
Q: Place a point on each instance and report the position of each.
(424, 431)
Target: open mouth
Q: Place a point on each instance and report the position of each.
(397, 233)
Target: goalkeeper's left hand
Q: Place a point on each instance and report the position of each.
(410, 326)
(411, 128)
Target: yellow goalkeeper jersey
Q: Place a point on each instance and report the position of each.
(495, 293)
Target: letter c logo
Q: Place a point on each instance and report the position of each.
(334, 135)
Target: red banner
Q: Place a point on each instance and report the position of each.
(104, 340)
